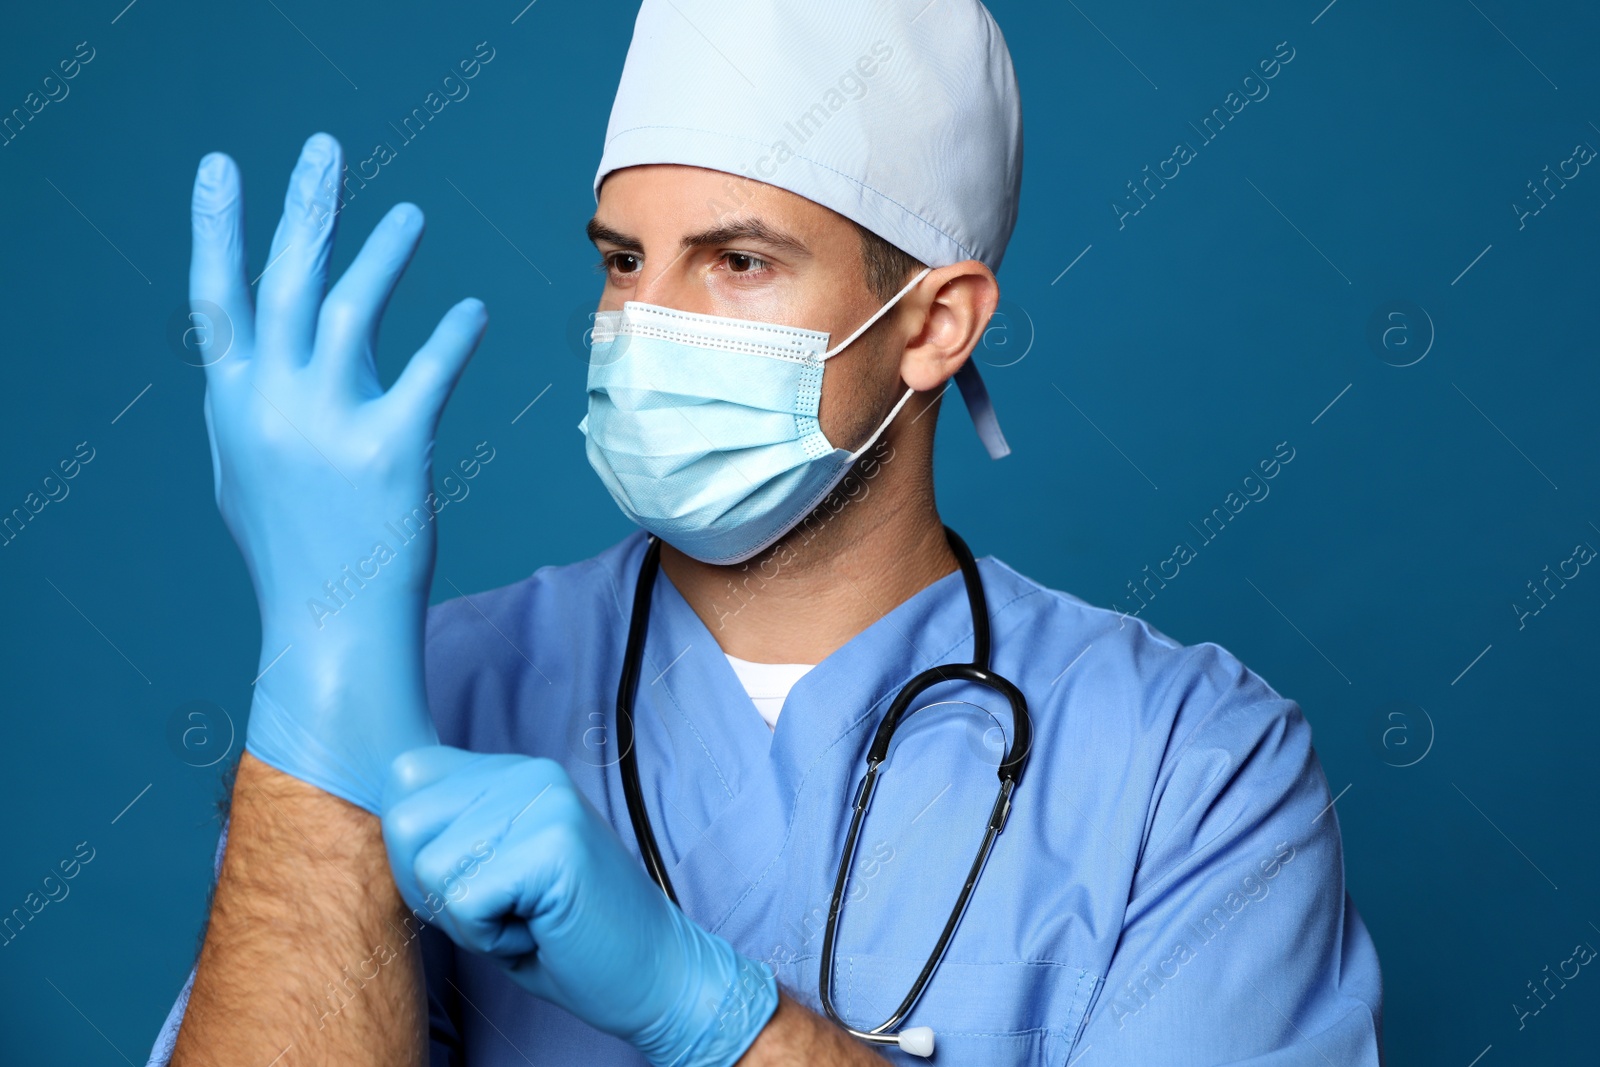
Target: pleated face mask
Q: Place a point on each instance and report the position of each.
(705, 430)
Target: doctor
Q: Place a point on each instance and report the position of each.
(598, 816)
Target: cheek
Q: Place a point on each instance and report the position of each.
(772, 296)
(859, 387)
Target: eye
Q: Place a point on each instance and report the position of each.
(621, 263)
(744, 263)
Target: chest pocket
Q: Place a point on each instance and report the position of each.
(980, 1013)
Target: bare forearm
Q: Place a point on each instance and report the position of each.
(796, 1036)
(310, 955)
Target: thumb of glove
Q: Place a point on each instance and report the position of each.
(419, 768)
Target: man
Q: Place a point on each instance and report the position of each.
(1166, 885)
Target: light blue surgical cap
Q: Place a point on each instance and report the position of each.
(900, 115)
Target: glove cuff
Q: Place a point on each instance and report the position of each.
(352, 771)
(716, 1023)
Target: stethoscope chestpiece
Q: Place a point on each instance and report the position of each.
(916, 1040)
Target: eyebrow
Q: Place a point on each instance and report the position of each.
(750, 229)
(599, 231)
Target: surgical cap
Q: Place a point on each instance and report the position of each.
(901, 115)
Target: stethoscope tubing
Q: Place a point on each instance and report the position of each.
(627, 691)
(1010, 774)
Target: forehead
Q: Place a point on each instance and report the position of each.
(669, 200)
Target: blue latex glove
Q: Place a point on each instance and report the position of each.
(510, 860)
(322, 477)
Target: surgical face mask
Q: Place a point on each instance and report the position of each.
(705, 428)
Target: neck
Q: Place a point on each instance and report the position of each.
(874, 543)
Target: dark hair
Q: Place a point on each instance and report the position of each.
(887, 268)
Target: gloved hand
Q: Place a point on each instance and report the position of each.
(322, 477)
(510, 860)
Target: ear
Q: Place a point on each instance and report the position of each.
(956, 309)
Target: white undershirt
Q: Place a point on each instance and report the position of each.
(768, 684)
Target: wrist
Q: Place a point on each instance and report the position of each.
(336, 729)
(726, 1001)
(371, 622)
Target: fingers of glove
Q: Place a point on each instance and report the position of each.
(426, 383)
(529, 972)
(296, 274)
(416, 819)
(526, 806)
(216, 459)
(217, 285)
(479, 895)
(532, 854)
(489, 797)
(347, 325)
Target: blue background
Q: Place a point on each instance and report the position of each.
(1137, 389)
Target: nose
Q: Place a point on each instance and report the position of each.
(669, 284)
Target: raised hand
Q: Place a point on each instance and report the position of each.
(322, 476)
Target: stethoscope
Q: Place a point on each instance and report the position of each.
(916, 1040)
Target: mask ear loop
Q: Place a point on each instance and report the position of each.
(863, 328)
(842, 345)
(882, 426)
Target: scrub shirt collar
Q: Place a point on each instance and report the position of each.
(720, 786)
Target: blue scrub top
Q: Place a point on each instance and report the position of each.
(1169, 888)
